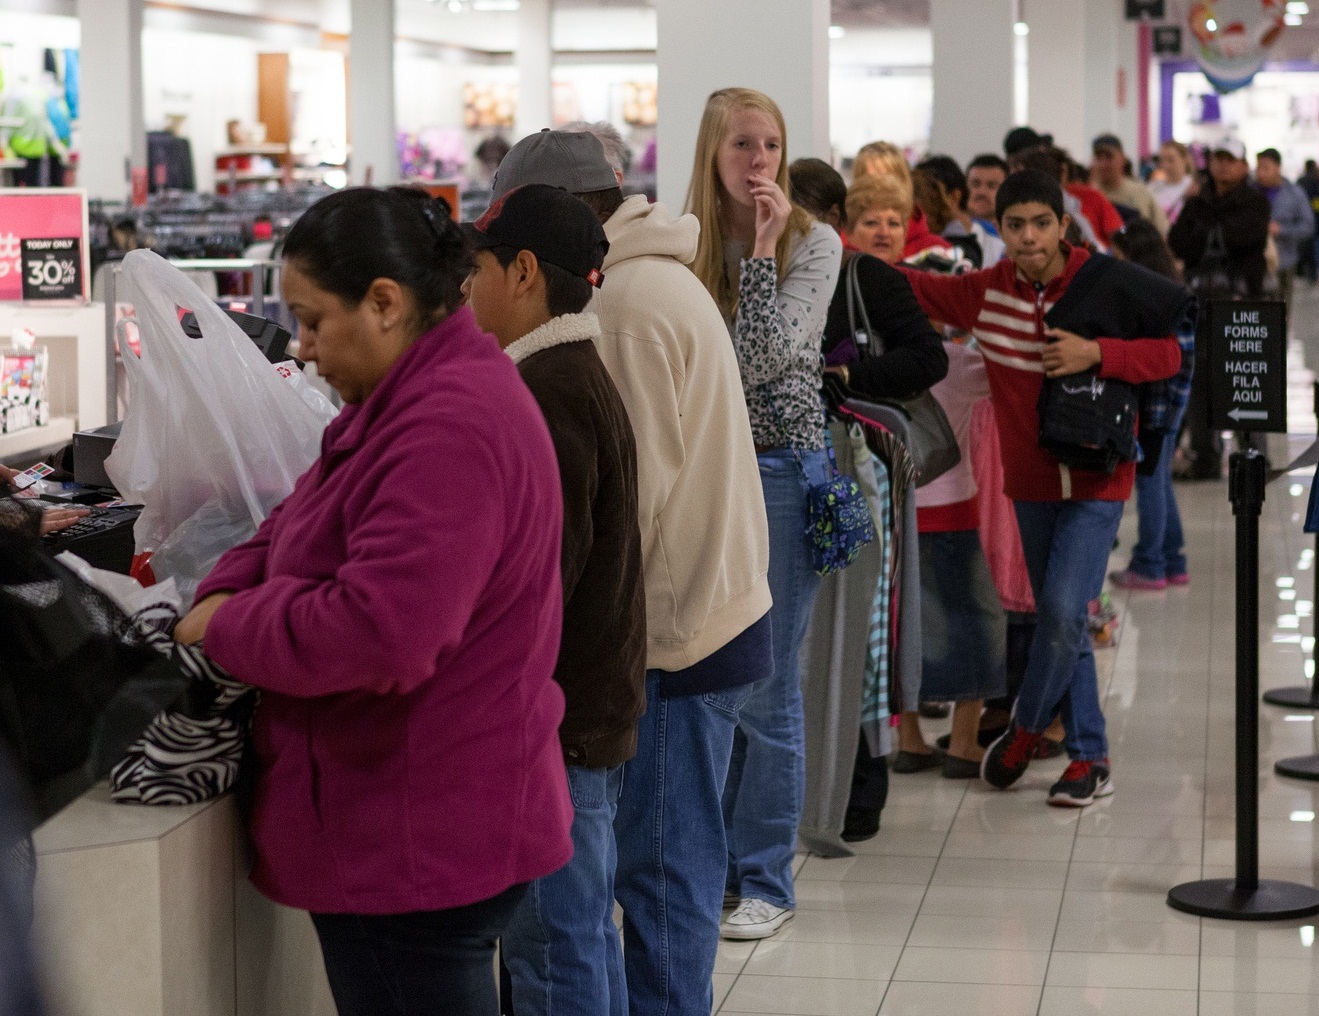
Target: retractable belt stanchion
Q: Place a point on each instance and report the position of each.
(1247, 366)
(1302, 696)
(1246, 897)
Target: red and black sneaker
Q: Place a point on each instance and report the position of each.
(1082, 784)
(1007, 758)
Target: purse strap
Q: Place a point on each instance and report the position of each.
(856, 308)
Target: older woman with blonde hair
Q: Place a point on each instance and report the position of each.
(880, 173)
(772, 270)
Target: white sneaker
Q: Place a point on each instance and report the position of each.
(754, 919)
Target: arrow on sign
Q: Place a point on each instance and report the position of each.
(1247, 414)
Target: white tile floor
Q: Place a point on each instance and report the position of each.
(972, 901)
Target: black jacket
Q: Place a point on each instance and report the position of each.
(1244, 214)
(913, 358)
(602, 655)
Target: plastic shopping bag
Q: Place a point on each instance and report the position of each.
(214, 436)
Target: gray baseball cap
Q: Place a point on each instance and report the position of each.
(575, 162)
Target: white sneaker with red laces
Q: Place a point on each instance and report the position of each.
(754, 919)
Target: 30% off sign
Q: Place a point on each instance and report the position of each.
(52, 269)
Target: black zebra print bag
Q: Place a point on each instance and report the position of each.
(192, 751)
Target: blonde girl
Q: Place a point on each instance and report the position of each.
(772, 269)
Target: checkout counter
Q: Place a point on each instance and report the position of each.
(147, 910)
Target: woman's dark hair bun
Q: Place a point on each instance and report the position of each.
(349, 239)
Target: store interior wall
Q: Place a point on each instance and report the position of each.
(199, 63)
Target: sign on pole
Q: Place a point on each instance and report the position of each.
(1248, 366)
(1152, 9)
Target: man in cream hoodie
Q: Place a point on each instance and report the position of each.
(705, 551)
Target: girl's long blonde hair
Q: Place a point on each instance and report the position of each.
(706, 194)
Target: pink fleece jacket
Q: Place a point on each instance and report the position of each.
(401, 612)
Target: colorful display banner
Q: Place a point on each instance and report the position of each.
(1233, 38)
(55, 270)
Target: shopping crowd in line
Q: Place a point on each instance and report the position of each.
(530, 635)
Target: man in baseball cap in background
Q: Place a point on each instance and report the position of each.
(705, 546)
(538, 255)
(1219, 236)
(1110, 172)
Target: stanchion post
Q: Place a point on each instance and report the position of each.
(1246, 478)
(1245, 897)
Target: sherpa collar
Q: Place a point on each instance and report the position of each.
(555, 332)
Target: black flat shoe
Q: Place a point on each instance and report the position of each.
(860, 824)
(955, 768)
(906, 762)
(984, 737)
(936, 710)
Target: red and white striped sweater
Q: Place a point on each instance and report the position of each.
(1005, 311)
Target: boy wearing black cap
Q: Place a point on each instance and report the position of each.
(538, 252)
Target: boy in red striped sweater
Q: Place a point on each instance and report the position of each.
(1068, 518)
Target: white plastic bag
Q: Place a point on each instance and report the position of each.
(214, 436)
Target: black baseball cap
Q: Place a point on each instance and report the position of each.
(1021, 138)
(559, 228)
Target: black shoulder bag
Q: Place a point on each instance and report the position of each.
(933, 445)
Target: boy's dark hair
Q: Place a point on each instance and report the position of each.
(565, 293)
(604, 203)
(1029, 185)
(1141, 244)
(1270, 153)
(414, 241)
(988, 161)
(1051, 162)
(818, 187)
(945, 169)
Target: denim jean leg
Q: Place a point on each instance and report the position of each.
(1152, 494)
(767, 778)
(1174, 539)
(671, 850)
(1066, 545)
(561, 948)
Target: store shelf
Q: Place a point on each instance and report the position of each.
(13, 163)
(11, 121)
(23, 442)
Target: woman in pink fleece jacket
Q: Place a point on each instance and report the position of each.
(400, 612)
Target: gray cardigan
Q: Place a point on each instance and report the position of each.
(777, 333)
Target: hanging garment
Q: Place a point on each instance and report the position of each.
(836, 654)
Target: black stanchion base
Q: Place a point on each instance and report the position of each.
(1302, 767)
(1220, 897)
(1298, 697)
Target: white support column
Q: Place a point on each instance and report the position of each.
(371, 92)
(1102, 18)
(973, 76)
(111, 129)
(779, 47)
(1057, 49)
(535, 109)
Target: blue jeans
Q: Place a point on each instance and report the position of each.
(1067, 544)
(767, 774)
(1158, 553)
(671, 852)
(561, 948)
(418, 963)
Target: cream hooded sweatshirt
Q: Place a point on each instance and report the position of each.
(704, 537)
